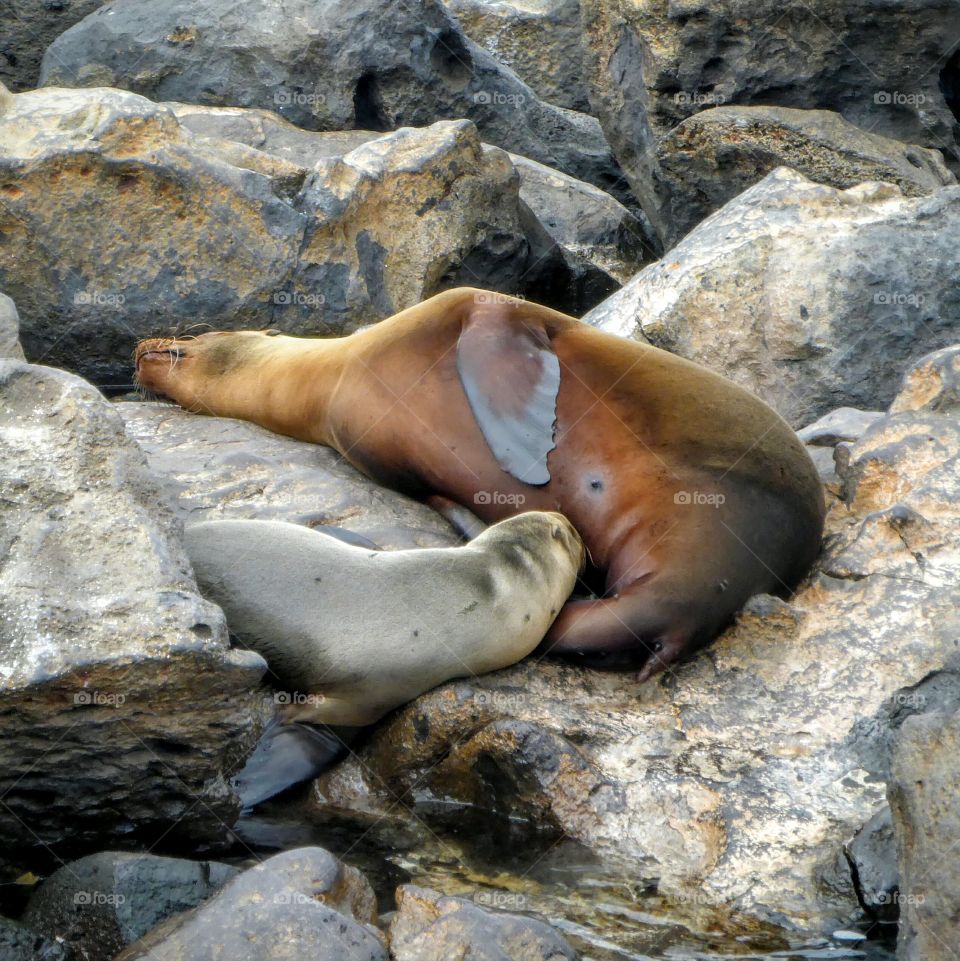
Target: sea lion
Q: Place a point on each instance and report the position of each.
(690, 493)
(352, 633)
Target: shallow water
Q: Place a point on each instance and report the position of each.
(601, 908)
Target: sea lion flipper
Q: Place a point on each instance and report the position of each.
(511, 377)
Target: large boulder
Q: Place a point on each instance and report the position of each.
(103, 902)
(300, 904)
(540, 40)
(329, 66)
(892, 69)
(716, 154)
(124, 710)
(735, 781)
(216, 467)
(811, 297)
(116, 216)
(9, 329)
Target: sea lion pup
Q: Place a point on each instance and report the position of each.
(353, 633)
(690, 493)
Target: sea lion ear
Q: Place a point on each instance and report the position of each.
(511, 377)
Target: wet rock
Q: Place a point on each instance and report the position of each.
(811, 297)
(429, 926)
(302, 903)
(542, 43)
(330, 66)
(872, 855)
(236, 237)
(709, 158)
(923, 796)
(19, 943)
(123, 710)
(891, 69)
(9, 329)
(215, 467)
(105, 901)
(734, 781)
(30, 26)
(842, 424)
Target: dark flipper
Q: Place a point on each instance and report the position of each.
(511, 377)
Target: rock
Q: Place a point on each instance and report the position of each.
(328, 66)
(933, 383)
(124, 710)
(428, 926)
(736, 780)
(19, 943)
(923, 796)
(105, 901)
(541, 42)
(811, 297)
(298, 904)
(9, 329)
(842, 424)
(872, 855)
(891, 69)
(235, 238)
(216, 467)
(716, 154)
(30, 26)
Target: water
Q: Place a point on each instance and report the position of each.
(602, 908)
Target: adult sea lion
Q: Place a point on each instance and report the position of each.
(690, 493)
(352, 633)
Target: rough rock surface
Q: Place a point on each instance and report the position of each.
(215, 467)
(105, 901)
(19, 943)
(104, 639)
(872, 855)
(428, 926)
(716, 154)
(300, 904)
(842, 424)
(540, 40)
(9, 329)
(923, 794)
(891, 69)
(735, 780)
(236, 237)
(811, 297)
(330, 66)
(29, 27)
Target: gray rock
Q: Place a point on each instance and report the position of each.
(541, 42)
(19, 943)
(737, 779)
(30, 26)
(215, 467)
(933, 384)
(718, 153)
(329, 66)
(105, 901)
(872, 855)
(923, 793)
(300, 904)
(811, 297)
(429, 926)
(9, 329)
(891, 69)
(120, 216)
(842, 424)
(124, 710)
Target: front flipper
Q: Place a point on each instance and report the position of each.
(511, 377)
